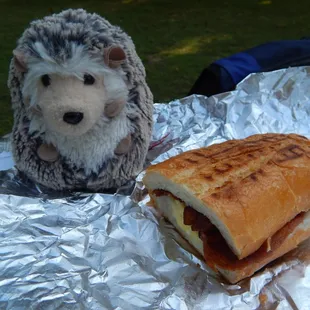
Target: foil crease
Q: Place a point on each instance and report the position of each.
(112, 251)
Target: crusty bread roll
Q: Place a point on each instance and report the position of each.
(249, 189)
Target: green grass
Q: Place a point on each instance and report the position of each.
(176, 39)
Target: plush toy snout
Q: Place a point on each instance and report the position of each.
(73, 118)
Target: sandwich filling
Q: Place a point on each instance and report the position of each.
(207, 239)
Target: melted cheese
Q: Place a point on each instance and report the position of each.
(173, 210)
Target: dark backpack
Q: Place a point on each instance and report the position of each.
(224, 74)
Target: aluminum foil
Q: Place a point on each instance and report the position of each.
(112, 251)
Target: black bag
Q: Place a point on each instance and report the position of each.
(224, 74)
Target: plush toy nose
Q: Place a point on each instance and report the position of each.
(73, 118)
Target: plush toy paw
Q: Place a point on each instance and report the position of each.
(48, 152)
(124, 146)
(114, 108)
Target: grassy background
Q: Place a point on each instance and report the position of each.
(176, 39)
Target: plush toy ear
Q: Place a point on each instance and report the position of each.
(20, 61)
(114, 56)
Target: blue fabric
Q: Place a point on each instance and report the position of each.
(266, 57)
(281, 54)
(224, 74)
(239, 66)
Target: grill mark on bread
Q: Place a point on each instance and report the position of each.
(196, 153)
(288, 153)
(224, 151)
(274, 138)
(253, 176)
(215, 195)
(208, 177)
(225, 168)
(252, 146)
(238, 150)
(302, 137)
(228, 192)
(191, 161)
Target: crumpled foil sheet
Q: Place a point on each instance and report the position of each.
(112, 251)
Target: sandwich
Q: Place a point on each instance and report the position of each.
(241, 203)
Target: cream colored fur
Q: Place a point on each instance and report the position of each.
(93, 151)
(69, 94)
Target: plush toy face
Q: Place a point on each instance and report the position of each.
(72, 99)
(69, 105)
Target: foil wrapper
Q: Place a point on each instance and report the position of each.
(112, 251)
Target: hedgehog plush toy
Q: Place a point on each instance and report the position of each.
(82, 107)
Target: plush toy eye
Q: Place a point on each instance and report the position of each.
(46, 80)
(88, 79)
